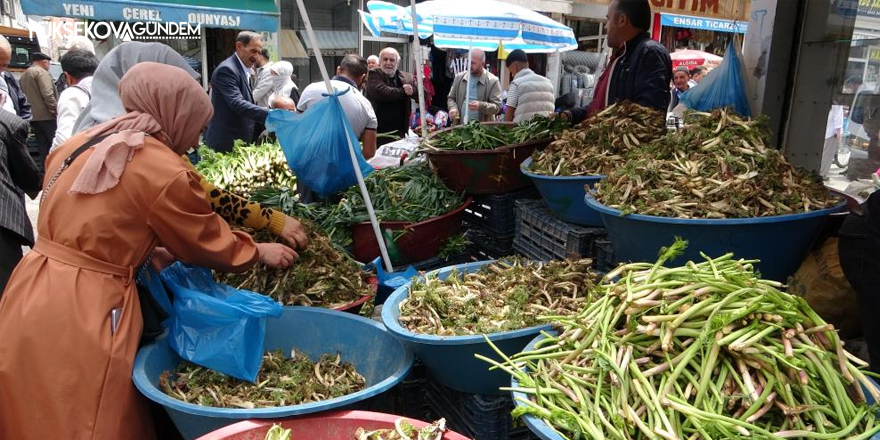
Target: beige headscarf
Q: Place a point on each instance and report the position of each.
(161, 100)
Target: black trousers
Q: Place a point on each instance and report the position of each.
(859, 248)
(10, 255)
(44, 131)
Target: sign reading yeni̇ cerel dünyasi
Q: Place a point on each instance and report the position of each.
(145, 20)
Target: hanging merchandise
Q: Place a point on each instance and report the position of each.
(722, 87)
(216, 326)
(315, 145)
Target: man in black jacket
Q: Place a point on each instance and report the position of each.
(640, 68)
(391, 90)
(18, 175)
(859, 249)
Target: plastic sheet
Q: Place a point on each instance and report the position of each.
(723, 87)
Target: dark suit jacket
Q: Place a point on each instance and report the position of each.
(18, 174)
(22, 107)
(235, 113)
(390, 102)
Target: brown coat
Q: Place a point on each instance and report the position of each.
(37, 85)
(62, 373)
(392, 105)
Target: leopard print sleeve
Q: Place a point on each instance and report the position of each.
(237, 210)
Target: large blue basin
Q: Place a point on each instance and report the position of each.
(450, 359)
(378, 356)
(780, 242)
(547, 432)
(563, 195)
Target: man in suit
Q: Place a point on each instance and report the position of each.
(15, 100)
(18, 175)
(391, 92)
(235, 113)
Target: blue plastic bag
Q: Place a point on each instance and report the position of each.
(723, 87)
(315, 145)
(217, 326)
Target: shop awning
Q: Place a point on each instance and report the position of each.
(332, 40)
(257, 15)
(706, 24)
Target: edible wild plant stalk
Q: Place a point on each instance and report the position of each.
(403, 430)
(716, 167)
(323, 276)
(412, 193)
(702, 351)
(600, 143)
(282, 381)
(505, 295)
(246, 168)
(479, 136)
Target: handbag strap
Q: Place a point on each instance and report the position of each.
(67, 162)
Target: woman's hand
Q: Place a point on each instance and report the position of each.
(161, 259)
(294, 233)
(276, 255)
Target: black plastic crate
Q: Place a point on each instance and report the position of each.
(439, 262)
(603, 255)
(472, 415)
(486, 245)
(541, 235)
(495, 212)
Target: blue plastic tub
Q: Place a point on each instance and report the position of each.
(563, 195)
(380, 358)
(450, 359)
(780, 242)
(546, 432)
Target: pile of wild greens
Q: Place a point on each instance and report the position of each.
(478, 136)
(246, 168)
(407, 194)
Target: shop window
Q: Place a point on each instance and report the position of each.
(851, 149)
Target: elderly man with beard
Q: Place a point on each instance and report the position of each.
(390, 91)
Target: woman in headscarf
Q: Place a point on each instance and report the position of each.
(105, 105)
(65, 363)
(282, 85)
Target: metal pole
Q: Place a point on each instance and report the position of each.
(417, 56)
(357, 169)
(467, 72)
(204, 31)
(360, 29)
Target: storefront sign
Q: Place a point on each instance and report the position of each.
(723, 9)
(869, 8)
(874, 55)
(708, 24)
(224, 16)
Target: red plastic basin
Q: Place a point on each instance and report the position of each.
(485, 171)
(422, 240)
(337, 425)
